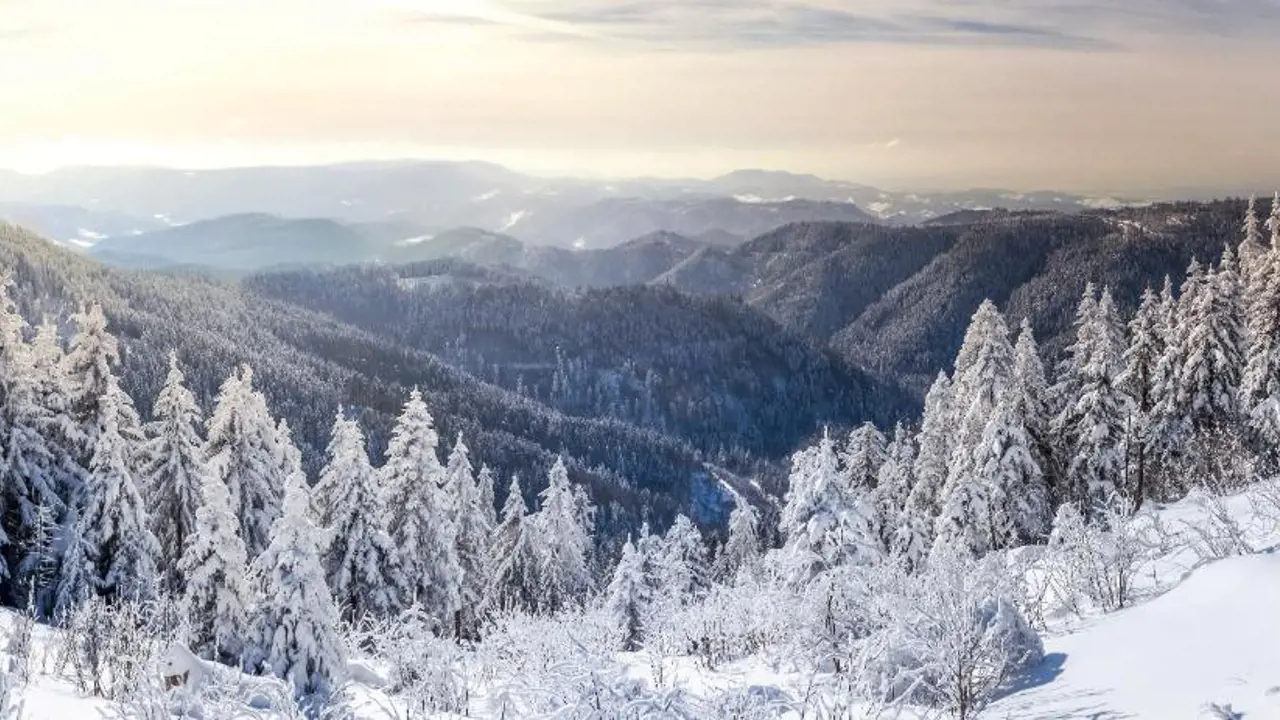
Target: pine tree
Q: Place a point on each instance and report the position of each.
(863, 456)
(422, 530)
(629, 597)
(987, 379)
(513, 561)
(116, 528)
(914, 535)
(214, 563)
(297, 631)
(1138, 380)
(682, 568)
(893, 485)
(562, 528)
(172, 471)
(1210, 376)
(825, 521)
(485, 483)
(1251, 247)
(1077, 354)
(244, 449)
(1099, 413)
(1167, 428)
(88, 367)
(471, 540)
(359, 560)
(1034, 398)
(1014, 489)
(742, 548)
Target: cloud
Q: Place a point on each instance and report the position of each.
(892, 144)
(747, 24)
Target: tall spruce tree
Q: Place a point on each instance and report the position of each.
(563, 532)
(473, 528)
(422, 529)
(359, 559)
(1138, 380)
(914, 535)
(296, 634)
(172, 471)
(513, 560)
(217, 596)
(893, 485)
(115, 526)
(243, 448)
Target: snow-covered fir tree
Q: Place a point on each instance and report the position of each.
(682, 567)
(825, 522)
(863, 456)
(893, 485)
(563, 529)
(296, 633)
(966, 500)
(914, 535)
(1251, 247)
(172, 470)
(115, 526)
(1147, 333)
(1034, 396)
(1017, 499)
(243, 448)
(214, 564)
(1098, 426)
(89, 365)
(513, 560)
(359, 560)
(1210, 377)
(628, 599)
(742, 547)
(486, 486)
(423, 531)
(473, 528)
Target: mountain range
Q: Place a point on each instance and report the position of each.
(426, 198)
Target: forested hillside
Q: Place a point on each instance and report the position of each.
(308, 364)
(712, 371)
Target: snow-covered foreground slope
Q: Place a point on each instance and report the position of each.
(1213, 638)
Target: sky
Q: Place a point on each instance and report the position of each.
(1075, 95)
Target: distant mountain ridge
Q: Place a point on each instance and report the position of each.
(438, 195)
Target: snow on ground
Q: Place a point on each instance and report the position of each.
(1213, 638)
(513, 219)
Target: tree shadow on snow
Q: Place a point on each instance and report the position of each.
(1048, 670)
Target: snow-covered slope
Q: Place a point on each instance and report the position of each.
(1213, 638)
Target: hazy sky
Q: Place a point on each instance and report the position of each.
(1117, 95)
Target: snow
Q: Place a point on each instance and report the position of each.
(1211, 639)
(414, 240)
(880, 207)
(486, 196)
(753, 199)
(513, 219)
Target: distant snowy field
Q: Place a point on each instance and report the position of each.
(1205, 633)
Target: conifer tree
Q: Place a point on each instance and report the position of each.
(471, 538)
(513, 561)
(296, 634)
(825, 521)
(214, 564)
(243, 448)
(1034, 396)
(563, 532)
(863, 456)
(1138, 380)
(1210, 376)
(88, 367)
(893, 485)
(485, 483)
(914, 536)
(1099, 414)
(359, 560)
(172, 471)
(629, 597)
(742, 548)
(683, 571)
(422, 530)
(116, 529)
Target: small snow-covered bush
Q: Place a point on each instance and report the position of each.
(1096, 561)
(948, 637)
